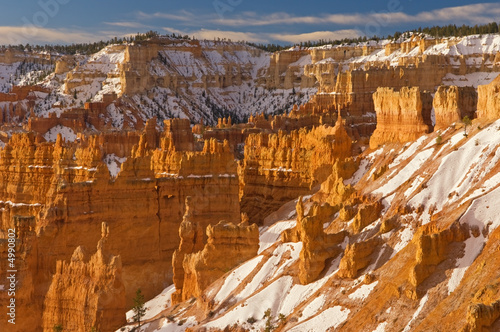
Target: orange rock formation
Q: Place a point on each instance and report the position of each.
(488, 106)
(87, 292)
(288, 165)
(453, 103)
(227, 246)
(402, 116)
(317, 245)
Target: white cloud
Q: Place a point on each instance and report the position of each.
(317, 35)
(183, 16)
(127, 24)
(472, 14)
(21, 35)
(267, 37)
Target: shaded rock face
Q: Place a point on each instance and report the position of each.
(87, 292)
(285, 70)
(317, 245)
(488, 106)
(402, 116)
(227, 245)
(367, 214)
(481, 316)
(451, 104)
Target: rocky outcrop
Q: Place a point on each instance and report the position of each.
(481, 316)
(356, 257)
(279, 167)
(286, 70)
(317, 245)
(227, 246)
(335, 192)
(23, 288)
(183, 63)
(367, 214)
(402, 116)
(451, 104)
(101, 66)
(432, 248)
(200, 241)
(65, 64)
(180, 134)
(87, 292)
(488, 106)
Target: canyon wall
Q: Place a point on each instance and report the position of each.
(98, 305)
(278, 167)
(68, 190)
(488, 107)
(451, 104)
(401, 116)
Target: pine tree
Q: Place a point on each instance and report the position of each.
(467, 122)
(139, 309)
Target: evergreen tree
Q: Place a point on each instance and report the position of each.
(138, 309)
(467, 122)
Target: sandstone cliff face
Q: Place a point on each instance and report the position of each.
(348, 76)
(194, 236)
(432, 248)
(452, 104)
(27, 303)
(198, 65)
(367, 214)
(68, 189)
(488, 107)
(286, 70)
(87, 292)
(289, 165)
(401, 116)
(65, 64)
(101, 69)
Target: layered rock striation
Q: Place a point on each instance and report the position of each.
(402, 116)
(488, 107)
(451, 104)
(278, 167)
(87, 292)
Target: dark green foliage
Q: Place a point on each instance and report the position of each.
(439, 139)
(251, 320)
(452, 30)
(138, 308)
(269, 324)
(467, 122)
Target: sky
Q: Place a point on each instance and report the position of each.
(283, 22)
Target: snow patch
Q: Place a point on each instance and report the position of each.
(363, 291)
(67, 134)
(330, 318)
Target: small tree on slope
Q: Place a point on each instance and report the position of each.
(139, 309)
(467, 122)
